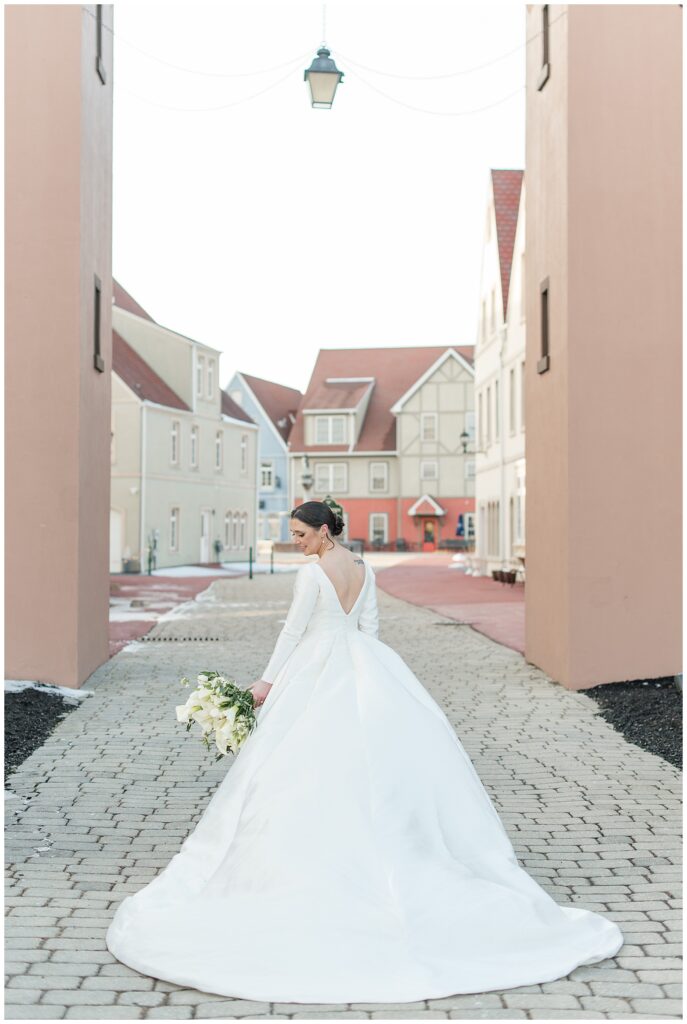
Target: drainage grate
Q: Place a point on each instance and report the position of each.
(183, 639)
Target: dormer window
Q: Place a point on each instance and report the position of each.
(211, 377)
(330, 430)
(200, 371)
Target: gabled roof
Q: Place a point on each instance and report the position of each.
(394, 371)
(279, 403)
(426, 506)
(141, 377)
(449, 353)
(232, 408)
(335, 393)
(506, 186)
(125, 301)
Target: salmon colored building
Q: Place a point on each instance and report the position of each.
(58, 339)
(379, 430)
(604, 342)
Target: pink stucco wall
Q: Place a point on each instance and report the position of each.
(604, 215)
(58, 210)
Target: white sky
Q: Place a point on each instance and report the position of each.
(268, 229)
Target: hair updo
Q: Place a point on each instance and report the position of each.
(319, 513)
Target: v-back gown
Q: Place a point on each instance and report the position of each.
(351, 852)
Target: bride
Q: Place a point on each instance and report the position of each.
(351, 852)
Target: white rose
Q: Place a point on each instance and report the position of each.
(182, 712)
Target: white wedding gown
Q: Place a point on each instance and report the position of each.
(351, 853)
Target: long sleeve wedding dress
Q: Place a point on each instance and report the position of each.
(351, 852)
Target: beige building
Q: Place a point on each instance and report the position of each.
(604, 342)
(500, 378)
(58, 241)
(380, 431)
(183, 454)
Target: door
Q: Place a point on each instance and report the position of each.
(205, 535)
(429, 534)
(116, 525)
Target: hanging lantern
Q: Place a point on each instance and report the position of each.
(323, 76)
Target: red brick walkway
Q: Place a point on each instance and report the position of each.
(495, 609)
(158, 594)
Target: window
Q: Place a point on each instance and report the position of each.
(267, 475)
(469, 469)
(488, 418)
(235, 531)
(470, 424)
(99, 65)
(211, 377)
(244, 452)
(428, 426)
(331, 477)
(484, 320)
(330, 430)
(522, 287)
(98, 360)
(511, 401)
(545, 64)
(470, 525)
(428, 471)
(480, 421)
(543, 363)
(497, 418)
(379, 476)
(194, 447)
(218, 449)
(244, 523)
(174, 452)
(522, 395)
(493, 529)
(200, 373)
(492, 311)
(227, 529)
(174, 529)
(379, 527)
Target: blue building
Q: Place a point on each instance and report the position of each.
(273, 407)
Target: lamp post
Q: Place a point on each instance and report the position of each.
(306, 475)
(323, 76)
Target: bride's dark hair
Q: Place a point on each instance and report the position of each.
(318, 513)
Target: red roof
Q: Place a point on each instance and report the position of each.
(395, 371)
(232, 408)
(141, 377)
(506, 186)
(337, 395)
(125, 301)
(279, 402)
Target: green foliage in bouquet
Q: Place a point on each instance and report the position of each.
(224, 711)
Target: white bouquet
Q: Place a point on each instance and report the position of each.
(221, 708)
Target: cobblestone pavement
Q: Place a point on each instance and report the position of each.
(105, 803)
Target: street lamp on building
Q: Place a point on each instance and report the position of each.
(465, 440)
(306, 475)
(323, 76)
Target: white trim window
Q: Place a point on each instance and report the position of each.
(522, 395)
(174, 529)
(469, 469)
(219, 449)
(379, 527)
(211, 378)
(487, 422)
(429, 470)
(227, 528)
(497, 407)
(511, 400)
(200, 373)
(235, 531)
(330, 430)
(267, 475)
(470, 424)
(194, 447)
(379, 477)
(244, 452)
(174, 443)
(428, 426)
(480, 421)
(331, 477)
(244, 523)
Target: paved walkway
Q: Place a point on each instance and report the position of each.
(107, 801)
(434, 581)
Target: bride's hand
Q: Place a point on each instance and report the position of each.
(259, 689)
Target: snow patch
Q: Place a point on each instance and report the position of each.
(67, 692)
